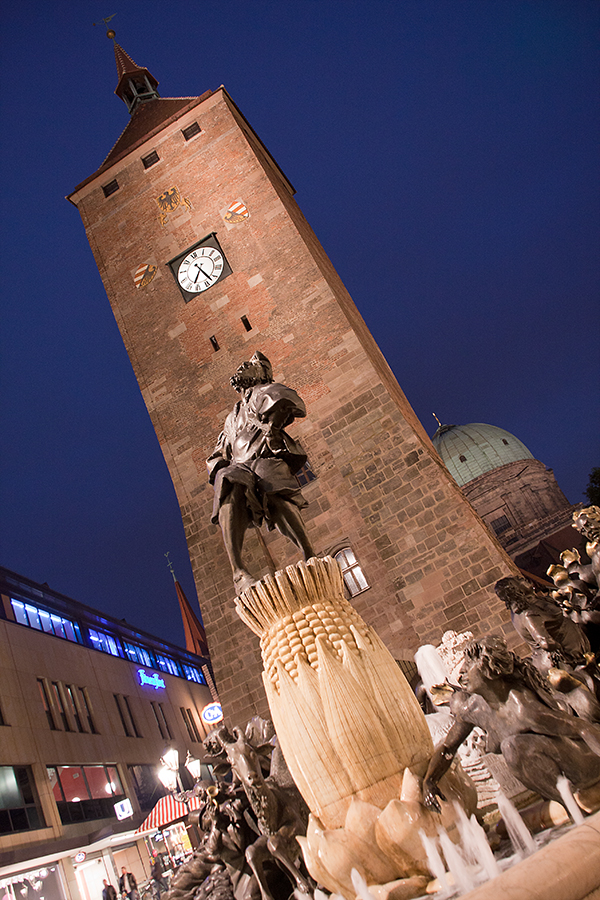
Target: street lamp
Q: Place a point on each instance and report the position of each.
(194, 766)
(169, 771)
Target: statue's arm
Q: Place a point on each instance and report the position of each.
(441, 760)
(220, 456)
(536, 628)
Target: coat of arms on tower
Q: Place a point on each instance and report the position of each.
(237, 212)
(168, 202)
(144, 274)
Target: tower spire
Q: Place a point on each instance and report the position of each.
(136, 84)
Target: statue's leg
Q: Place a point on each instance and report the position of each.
(538, 760)
(283, 850)
(288, 520)
(256, 855)
(234, 520)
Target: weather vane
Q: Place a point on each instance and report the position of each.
(169, 563)
(109, 32)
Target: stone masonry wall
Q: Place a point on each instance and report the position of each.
(381, 488)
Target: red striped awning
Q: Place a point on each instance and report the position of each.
(168, 810)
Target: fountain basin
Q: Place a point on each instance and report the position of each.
(565, 869)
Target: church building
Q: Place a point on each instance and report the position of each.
(189, 179)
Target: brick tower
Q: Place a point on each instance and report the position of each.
(190, 175)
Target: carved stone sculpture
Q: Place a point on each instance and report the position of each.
(254, 463)
(350, 727)
(508, 699)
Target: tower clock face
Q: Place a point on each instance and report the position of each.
(200, 269)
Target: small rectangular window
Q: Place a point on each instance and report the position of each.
(214, 342)
(46, 702)
(246, 323)
(57, 689)
(188, 718)
(110, 188)
(161, 720)
(191, 131)
(87, 709)
(500, 525)
(74, 707)
(123, 715)
(305, 475)
(150, 160)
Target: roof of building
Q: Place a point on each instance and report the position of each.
(470, 450)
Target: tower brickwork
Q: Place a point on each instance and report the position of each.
(380, 489)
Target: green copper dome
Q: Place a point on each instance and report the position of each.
(470, 450)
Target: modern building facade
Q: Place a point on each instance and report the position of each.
(88, 705)
(206, 258)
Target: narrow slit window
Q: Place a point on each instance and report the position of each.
(150, 160)
(214, 342)
(110, 188)
(246, 323)
(191, 131)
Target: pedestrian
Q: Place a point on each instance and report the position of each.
(128, 885)
(157, 874)
(108, 891)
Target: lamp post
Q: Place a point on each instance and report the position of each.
(194, 766)
(169, 771)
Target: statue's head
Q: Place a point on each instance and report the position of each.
(516, 593)
(257, 370)
(490, 656)
(587, 522)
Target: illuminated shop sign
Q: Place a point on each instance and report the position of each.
(123, 809)
(212, 713)
(152, 679)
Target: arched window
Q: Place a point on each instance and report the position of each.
(354, 578)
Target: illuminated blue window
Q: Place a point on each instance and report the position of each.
(192, 674)
(104, 642)
(138, 654)
(167, 664)
(42, 620)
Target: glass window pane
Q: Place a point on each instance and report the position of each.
(10, 795)
(73, 784)
(69, 630)
(55, 784)
(58, 626)
(46, 621)
(33, 616)
(115, 781)
(19, 611)
(98, 782)
(362, 581)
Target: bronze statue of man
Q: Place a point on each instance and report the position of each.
(254, 463)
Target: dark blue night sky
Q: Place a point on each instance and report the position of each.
(444, 151)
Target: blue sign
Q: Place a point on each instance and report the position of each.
(212, 713)
(153, 679)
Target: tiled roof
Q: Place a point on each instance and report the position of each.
(147, 119)
(124, 62)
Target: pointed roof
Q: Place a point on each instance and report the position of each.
(127, 69)
(195, 636)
